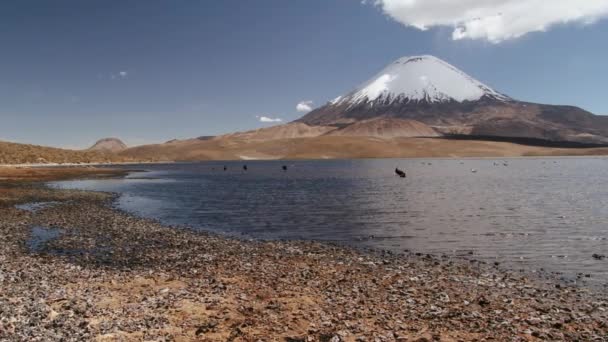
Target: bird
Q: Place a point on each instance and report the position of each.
(245, 167)
(225, 168)
(474, 170)
(284, 167)
(400, 173)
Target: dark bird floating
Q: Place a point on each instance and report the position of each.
(284, 167)
(225, 168)
(400, 173)
(245, 167)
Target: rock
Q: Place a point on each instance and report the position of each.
(483, 301)
(295, 339)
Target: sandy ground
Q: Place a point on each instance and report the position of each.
(109, 276)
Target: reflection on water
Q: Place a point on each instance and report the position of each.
(532, 213)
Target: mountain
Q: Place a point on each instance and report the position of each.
(435, 93)
(420, 79)
(112, 145)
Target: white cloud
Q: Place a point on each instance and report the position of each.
(267, 119)
(493, 20)
(304, 106)
(119, 75)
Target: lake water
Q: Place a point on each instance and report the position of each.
(524, 213)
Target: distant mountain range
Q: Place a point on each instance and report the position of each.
(395, 113)
(417, 106)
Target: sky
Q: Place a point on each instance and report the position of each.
(148, 71)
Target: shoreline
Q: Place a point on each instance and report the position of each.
(78, 165)
(163, 162)
(110, 275)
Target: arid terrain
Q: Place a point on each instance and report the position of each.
(329, 147)
(377, 138)
(13, 153)
(324, 147)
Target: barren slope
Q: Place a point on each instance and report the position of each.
(286, 131)
(386, 128)
(328, 147)
(13, 153)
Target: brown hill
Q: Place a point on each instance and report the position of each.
(386, 128)
(13, 153)
(331, 146)
(109, 145)
(286, 131)
(491, 118)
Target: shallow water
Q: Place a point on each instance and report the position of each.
(525, 213)
(35, 206)
(39, 236)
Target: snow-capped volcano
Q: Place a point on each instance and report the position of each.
(437, 94)
(420, 78)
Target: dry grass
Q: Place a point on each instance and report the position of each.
(12, 153)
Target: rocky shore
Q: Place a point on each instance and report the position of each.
(76, 269)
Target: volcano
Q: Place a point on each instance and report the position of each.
(433, 92)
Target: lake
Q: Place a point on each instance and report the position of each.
(525, 213)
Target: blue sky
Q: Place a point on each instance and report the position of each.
(150, 71)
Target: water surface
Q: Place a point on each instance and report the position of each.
(525, 213)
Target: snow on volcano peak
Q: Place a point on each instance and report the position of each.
(420, 78)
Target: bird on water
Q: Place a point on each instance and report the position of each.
(400, 173)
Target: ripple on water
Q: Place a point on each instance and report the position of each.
(526, 215)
